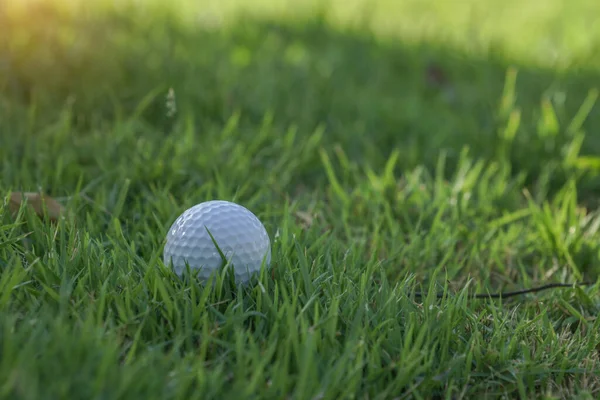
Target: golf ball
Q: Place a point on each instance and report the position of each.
(238, 233)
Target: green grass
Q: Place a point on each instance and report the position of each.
(384, 156)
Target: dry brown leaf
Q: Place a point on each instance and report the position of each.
(305, 218)
(436, 76)
(38, 202)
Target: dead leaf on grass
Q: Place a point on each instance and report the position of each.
(305, 218)
(39, 202)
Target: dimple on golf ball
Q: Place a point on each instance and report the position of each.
(239, 234)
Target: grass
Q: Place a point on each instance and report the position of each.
(384, 157)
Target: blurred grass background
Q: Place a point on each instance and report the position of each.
(362, 69)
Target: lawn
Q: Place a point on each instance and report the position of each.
(403, 156)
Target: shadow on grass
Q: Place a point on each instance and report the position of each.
(370, 95)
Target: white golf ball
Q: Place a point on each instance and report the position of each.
(239, 234)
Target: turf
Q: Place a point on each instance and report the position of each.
(388, 149)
